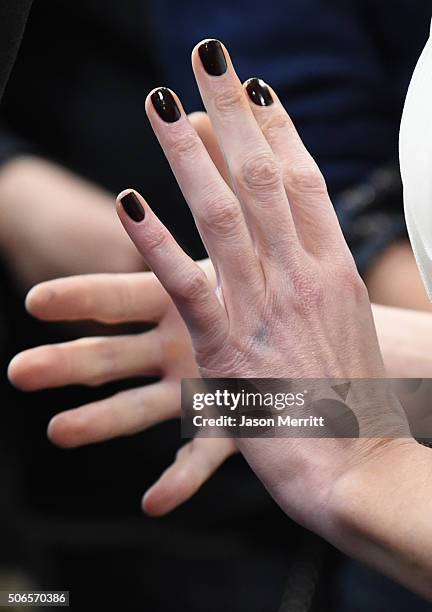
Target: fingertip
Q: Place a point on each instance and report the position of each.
(150, 504)
(200, 121)
(163, 108)
(210, 57)
(206, 41)
(55, 432)
(148, 104)
(37, 299)
(123, 194)
(61, 433)
(130, 206)
(198, 116)
(21, 373)
(148, 101)
(13, 371)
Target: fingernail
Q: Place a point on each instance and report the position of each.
(259, 92)
(212, 57)
(132, 207)
(165, 105)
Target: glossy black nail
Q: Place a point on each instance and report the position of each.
(212, 57)
(132, 207)
(165, 105)
(259, 92)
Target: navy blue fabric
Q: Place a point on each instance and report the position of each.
(341, 68)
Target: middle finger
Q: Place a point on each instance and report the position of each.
(256, 174)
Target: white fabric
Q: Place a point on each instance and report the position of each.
(415, 151)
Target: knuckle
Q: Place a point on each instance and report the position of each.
(260, 173)
(104, 362)
(156, 239)
(352, 283)
(222, 216)
(194, 286)
(184, 146)
(229, 100)
(305, 179)
(275, 124)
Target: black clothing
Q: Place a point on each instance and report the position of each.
(13, 16)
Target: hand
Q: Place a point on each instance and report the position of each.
(53, 223)
(289, 301)
(114, 299)
(135, 297)
(165, 351)
(85, 361)
(139, 297)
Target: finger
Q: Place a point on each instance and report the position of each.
(216, 210)
(87, 361)
(255, 172)
(194, 465)
(123, 414)
(108, 298)
(313, 212)
(202, 125)
(183, 279)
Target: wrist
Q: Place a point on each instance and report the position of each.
(379, 513)
(15, 176)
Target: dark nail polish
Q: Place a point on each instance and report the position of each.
(258, 92)
(213, 57)
(133, 207)
(165, 105)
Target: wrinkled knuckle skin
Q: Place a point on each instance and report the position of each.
(106, 362)
(184, 146)
(275, 124)
(229, 101)
(156, 240)
(305, 179)
(260, 173)
(221, 217)
(194, 286)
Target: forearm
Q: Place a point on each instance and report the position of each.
(37, 187)
(382, 515)
(55, 223)
(405, 338)
(394, 279)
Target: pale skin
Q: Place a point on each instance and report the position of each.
(280, 259)
(167, 351)
(394, 279)
(54, 223)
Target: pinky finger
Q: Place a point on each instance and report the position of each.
(182, 278)
(195, 463)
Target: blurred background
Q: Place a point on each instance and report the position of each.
(73, 133)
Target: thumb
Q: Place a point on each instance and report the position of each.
(202, 125)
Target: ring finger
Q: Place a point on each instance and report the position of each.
(312, 210)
